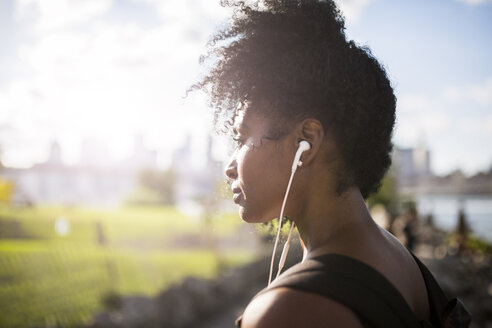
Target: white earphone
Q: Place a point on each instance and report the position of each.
(303, 146)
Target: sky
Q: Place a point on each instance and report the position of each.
(108, 70)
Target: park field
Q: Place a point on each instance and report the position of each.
(61, 277)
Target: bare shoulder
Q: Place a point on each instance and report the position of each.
(284, 307)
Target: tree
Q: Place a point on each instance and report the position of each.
(387, 194)
(6, 190)
(155, 187)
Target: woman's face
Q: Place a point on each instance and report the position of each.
(257, 168)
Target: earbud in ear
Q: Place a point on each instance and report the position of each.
(303, 146)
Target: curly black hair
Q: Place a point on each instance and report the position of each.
(290, 59)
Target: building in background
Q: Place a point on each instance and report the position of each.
(411, 165)
(95, 180)
(412, 169)
(195, 185)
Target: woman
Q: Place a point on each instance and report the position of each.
(284, 72)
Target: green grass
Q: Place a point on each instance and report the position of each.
(120, 224)
(47, 279)
(472, 243)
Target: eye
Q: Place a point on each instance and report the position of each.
(239, 141)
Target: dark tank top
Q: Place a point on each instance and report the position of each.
(375, 301)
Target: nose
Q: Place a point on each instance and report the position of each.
(231, 169)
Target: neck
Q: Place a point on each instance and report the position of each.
(323, 219)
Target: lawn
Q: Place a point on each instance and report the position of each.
(48, 279)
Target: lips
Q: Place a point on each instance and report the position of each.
(237, 198)
(237, 194)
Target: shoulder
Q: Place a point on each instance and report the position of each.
(285, 307)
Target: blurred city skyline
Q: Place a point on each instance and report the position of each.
(72, 71)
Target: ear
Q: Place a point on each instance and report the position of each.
(312, 131)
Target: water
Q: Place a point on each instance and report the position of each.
(478, 211)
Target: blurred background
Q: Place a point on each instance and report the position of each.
(113, 206)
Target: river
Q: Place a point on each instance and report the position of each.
(478, 211)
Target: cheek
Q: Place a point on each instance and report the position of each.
(263, 184)
(249, 166)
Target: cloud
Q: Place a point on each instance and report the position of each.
(414, 103)
(456, 124)
(194, 14)
(480, 93)
(105, 79)
(352, 9)
(481, 126)
(53, 14)
(475, 2)
(420, 114)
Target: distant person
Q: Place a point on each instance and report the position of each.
(463, 231)
(297, 96)
(411, 227)
(101, 236)
(429, 220)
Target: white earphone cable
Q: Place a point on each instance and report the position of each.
(278, 231)
(285, 251)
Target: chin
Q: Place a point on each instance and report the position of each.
(249, 217)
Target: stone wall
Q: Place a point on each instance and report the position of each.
(191, 301)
